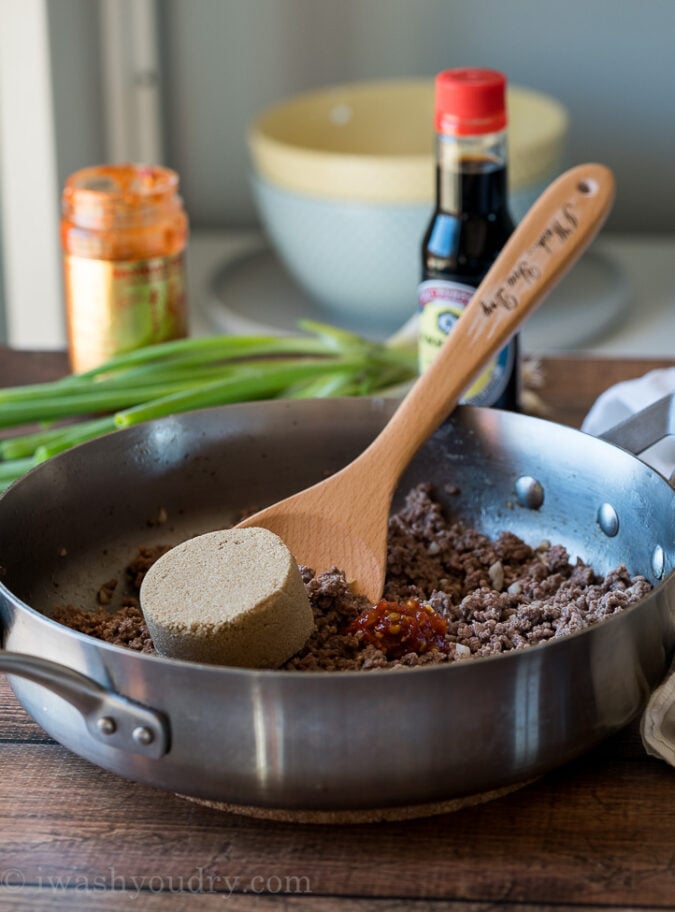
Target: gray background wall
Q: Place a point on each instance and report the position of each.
(611, 62)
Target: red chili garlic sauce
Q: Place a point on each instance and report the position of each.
(399, 628)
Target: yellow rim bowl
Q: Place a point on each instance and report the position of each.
(374, 141)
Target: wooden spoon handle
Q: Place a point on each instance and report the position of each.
(551, 237)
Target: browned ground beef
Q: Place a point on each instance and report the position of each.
(496, 595)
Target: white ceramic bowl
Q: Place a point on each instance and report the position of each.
(344, 184)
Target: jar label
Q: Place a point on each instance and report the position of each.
(440, 304)
(115, 306)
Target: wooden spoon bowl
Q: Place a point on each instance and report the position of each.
(342, 521)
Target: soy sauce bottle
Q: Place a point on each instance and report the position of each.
(471, 222)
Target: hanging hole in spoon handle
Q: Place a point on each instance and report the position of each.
(548, 241)
(587, 187)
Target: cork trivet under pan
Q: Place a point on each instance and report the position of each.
(361, 815)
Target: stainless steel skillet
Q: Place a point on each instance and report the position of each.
(331, 741)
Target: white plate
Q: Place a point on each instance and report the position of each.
(253, 294)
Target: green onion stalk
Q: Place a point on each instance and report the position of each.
(187, 374)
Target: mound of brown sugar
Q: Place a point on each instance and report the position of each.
(231, 597)
(496, 595)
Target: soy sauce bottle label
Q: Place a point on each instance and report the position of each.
(441, 303)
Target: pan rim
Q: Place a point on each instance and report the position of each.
(365, 404)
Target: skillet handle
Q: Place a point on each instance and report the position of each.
(111, 718)
(642, 430)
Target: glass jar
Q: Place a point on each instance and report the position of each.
(123, 235)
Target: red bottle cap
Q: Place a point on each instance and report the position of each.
(470, 101)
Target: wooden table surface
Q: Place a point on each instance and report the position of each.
(598, 833)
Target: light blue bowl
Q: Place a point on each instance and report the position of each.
(359, 261)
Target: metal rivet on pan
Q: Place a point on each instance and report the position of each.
(529, 492)
(608, 520)
(143, 736)
(106, 725)
(658, 561)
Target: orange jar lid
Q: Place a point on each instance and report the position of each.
(125, 211)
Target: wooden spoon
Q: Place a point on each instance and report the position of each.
(342, 521)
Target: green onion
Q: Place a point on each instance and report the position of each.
(10, 470)
(340, 383)
(71, 436)
(188, 374)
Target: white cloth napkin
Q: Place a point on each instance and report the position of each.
(619, 402)
(625, 399)
(657, 726)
